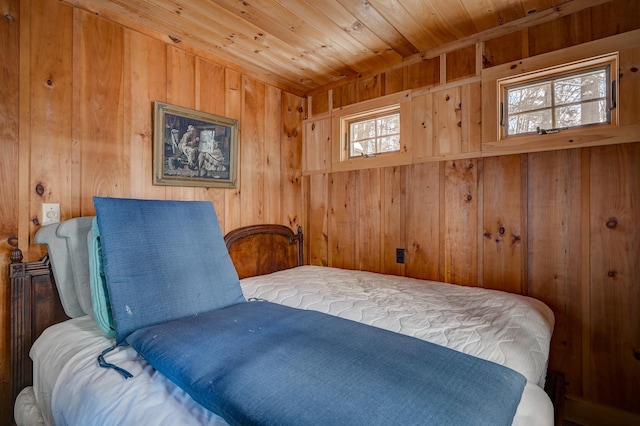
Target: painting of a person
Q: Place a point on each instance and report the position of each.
(189, 146)
(212, 161)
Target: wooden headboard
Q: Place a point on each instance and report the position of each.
(263, 249)
(35, 304)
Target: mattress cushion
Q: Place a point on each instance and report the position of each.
(163, 260)
(264, 363)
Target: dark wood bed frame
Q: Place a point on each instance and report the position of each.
(35, 304)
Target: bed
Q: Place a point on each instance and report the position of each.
(56, 378)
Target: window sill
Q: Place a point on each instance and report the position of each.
(577, 138)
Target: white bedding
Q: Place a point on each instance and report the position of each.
(72, 389)
(505, 328)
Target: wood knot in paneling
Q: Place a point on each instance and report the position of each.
(612, 223)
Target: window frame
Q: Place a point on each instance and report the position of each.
(370, 115)
(609, 61)
(341, 117)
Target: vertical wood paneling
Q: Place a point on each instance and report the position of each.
(345, 95)
(210, 97)
(393, 81)
(320, 103)
(471, 133)
(50, 106)
(291, 190)
(343, 220)
(628, 99)
(555, 240)
(9, 197)
(318, 229)
(253, 151)
(460, 222)
(272, 160)
(461, 63)
(563, 32)
(502, 49)
(104, 161)
(317, 145)
(368, 243)
(614, 17)
(181, 90)
(145, 56)
(504, 211)
(447, 121)
(370, 88)
(615, 268)
(422, 127)
(393, 219)
(423, 221)
(422, 74)
(233, 96)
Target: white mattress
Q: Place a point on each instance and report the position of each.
(505, 328)
(70, 387)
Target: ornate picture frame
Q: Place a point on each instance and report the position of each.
(194, 148)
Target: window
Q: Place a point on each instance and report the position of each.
(377, 133)
(551, 101)
(372, 133)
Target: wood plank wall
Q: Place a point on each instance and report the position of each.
(561, 226)
(82, 126)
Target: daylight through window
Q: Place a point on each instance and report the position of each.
(372, 135)
(558, 102)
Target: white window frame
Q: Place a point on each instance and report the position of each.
(599, 62)
(342, 117)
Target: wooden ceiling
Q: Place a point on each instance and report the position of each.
(306, 44)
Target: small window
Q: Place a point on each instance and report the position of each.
(374, 134)
(567, 98)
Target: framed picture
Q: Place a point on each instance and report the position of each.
(193, 148)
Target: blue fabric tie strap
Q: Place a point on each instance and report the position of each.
(104, 364)
(263, 363)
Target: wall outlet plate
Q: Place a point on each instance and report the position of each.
(50, 213)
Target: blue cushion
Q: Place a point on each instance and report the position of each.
(163, 260)
(264, 363)
(99, 293)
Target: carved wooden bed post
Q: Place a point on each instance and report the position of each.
(34, 306)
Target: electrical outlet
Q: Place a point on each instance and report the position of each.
(399, 255)
(50, 213)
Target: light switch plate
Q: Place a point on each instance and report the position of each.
(50, 213)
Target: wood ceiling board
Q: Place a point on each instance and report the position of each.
(334, 39)
(230, 28)
(290, 29)
(369, 16)
(438, 30)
